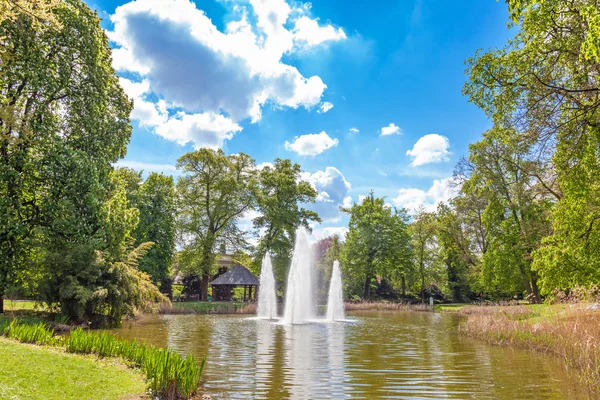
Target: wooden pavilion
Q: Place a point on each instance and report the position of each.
(237, 276)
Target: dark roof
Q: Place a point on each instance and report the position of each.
(237, 275)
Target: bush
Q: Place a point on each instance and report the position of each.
(36, 334)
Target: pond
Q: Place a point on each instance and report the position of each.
(399, 355)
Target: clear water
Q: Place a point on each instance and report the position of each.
(267, 297)
(335, 303)
(399, 355)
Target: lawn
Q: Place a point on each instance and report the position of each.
(33, 372)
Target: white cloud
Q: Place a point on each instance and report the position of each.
(354, 130)
(319, 233)
(325, 106)
(308, 32)
(201, 72)
(440, 191)
(432, 148)
(263, 165)
(311, 144)
(347, 202)
(333, 190)
(391, 129)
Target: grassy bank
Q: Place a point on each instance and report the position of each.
(168, 374)
(385, 306)
(569, 331)
(208, 307)
(47, 373)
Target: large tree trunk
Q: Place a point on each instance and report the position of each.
(403, 286)
(423, 288)
(1, 304)
(367, 289)
(204, 288)
(535, 290)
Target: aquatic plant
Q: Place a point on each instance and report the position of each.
(170, 375)
(25, 333)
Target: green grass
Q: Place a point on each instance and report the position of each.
(450, 307)
(168, 373)
(208, 306)
(22, 305)
(43, 373)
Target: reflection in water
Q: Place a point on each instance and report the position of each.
(384, 355)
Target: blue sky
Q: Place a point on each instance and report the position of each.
(363, 95)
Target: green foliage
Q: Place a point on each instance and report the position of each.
(541, 92)
(279, 193)
(156, 204)
(377, 245)
(25, 333)
(169, 374)
(214, 193)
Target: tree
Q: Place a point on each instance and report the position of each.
(156, 204)
(376, 244)
(327, 250)
(516, 215)
(542, 89)
(63, 120)
(279, 194)
(214, 193)
(425, 249)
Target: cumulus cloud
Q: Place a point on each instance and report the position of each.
(325, 106)
(319, 232)
(308, 32)
(206, 74)
(440, 191)
(332, 188)
(311, 144)
(354, 130)
(391, 129)
(432, 148)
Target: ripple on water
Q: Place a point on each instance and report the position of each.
(401, 355)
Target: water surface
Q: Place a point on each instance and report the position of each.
(388, 355)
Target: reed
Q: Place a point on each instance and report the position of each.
(170, 375)
(385, 306)
(571, 332)
(24, 333)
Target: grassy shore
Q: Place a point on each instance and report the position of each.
(569, 331)
(209, 307)
(46, 373)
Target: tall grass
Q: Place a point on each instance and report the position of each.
(24, 333)
(386, 306)
(170, 376)
(571, 332)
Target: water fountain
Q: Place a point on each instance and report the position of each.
(335, 302)
(267, 298)
(299, 298)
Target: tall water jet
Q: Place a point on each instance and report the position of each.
(335, 302)
(267, 297)
(299, 298)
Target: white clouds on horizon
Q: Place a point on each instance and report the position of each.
(391, 129)
(432, 148)
(311, 144)
(440, 191)
(332, 188)
(192, 73)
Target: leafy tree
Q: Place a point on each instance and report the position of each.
(214, 193)
(516, 216)
(376, 245)
(425, 250)
(542, 89)
(156, 204)
(279, 194)
(327, 251)
(63, 120)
